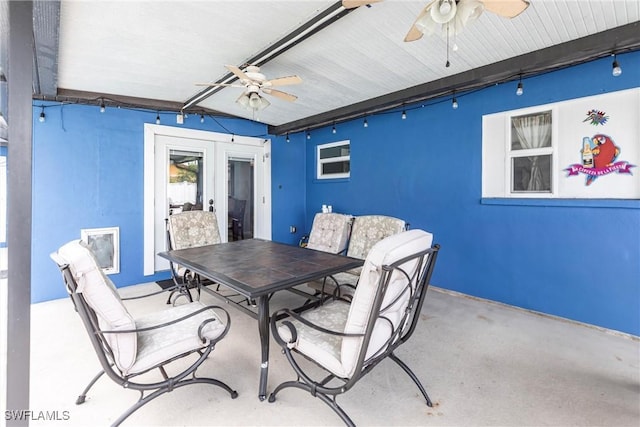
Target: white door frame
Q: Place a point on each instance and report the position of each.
(261, 185)
(216, 138)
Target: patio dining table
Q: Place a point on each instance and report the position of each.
(256, 269)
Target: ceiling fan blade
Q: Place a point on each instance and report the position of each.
(414, 32)
(279, 94)
(238, 72)
(506, 8)
(283, 81)
(350, 4)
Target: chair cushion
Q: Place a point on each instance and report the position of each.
(158, 345)
(319, 346)
(330, 232)
(193, 228)
(370, 229)
(101, 295)
(385, 252)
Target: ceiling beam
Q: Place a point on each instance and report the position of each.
(304, 31)
(109, 100)
(617, 40)
(46, 29)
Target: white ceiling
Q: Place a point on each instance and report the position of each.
(158, 50)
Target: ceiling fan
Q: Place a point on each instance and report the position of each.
(454, 15)
(255, 83)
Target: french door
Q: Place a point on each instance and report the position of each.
(190, 169)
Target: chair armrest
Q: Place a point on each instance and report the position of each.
(180, 319)
(339, 294)
(148, 295)
(294, 334)
(337, 288)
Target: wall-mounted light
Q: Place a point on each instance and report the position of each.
(308, 135)
(454, 103)
(201, 118)
(404, 115)
(102, 107)
(520, 88)
(42, 117)
(288, 137)
(333, 129)
(365, 123)
(157, 118)
(615, 67)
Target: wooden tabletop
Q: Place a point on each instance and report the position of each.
(256, 267)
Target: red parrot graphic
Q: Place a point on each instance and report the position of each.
(604, 153)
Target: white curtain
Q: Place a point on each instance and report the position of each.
(533, 132)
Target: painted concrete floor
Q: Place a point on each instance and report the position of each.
(483, 364)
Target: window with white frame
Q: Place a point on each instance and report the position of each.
(519, 153)
(530, 154)
(333, 160)
(552, 151)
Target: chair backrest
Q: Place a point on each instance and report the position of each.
(391, 279)
(192, 229)
(89, 287)
(236, 208)
(330, 232)
(368, 230)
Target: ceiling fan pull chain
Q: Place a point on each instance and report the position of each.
(448, 63)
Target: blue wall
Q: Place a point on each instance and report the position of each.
(88, 173)
(288, 188)
(571, 258)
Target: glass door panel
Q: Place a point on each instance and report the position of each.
(185, 181)
(240, 190)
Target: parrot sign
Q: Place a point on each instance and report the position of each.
(599, 153)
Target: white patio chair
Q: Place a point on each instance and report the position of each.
(187, 230)
(348, 339)
(330, 232)
(128, 347)
(367, 230)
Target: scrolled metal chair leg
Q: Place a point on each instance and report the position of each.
(413, 377)
(80, 400)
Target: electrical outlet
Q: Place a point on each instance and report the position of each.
(292, 229)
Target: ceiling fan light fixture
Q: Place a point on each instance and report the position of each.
(468, 11)
(254, 101)
(263, 103)
(443, 11)
(244, 101)
(426, 25)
